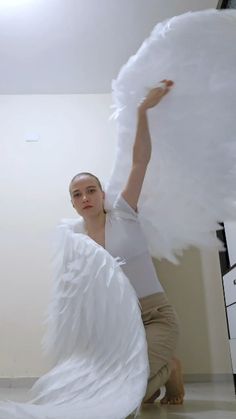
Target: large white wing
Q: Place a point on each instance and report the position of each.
(96, 337)
(191, 181)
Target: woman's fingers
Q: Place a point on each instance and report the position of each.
(156, 94)
(167, 83)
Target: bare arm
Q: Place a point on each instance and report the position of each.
(142, 145)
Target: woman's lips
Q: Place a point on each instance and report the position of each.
(88, 206)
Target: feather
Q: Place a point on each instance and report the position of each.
(95, 336)
(190, 185)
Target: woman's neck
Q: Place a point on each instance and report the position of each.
(95, 224)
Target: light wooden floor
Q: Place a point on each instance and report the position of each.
(203, 401)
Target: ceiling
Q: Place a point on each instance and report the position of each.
(75, 46)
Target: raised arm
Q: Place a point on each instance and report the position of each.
(142, 145)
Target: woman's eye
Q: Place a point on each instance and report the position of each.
(76, 195)
(91, 190)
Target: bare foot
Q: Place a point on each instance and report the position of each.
(153, 397)
(174, 386)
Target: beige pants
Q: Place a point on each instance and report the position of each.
(161, 326)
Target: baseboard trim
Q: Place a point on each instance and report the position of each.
(27, 382)
(18, 382)
(208, 378)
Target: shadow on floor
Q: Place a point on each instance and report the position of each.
(192, 409)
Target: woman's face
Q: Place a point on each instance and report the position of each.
(86, 196)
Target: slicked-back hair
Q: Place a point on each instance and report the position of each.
(86, 174)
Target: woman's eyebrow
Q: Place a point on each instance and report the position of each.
(87, 187)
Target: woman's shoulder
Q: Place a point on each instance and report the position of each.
(122, 209)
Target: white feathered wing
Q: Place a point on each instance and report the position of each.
(190, 185)
(95, 335)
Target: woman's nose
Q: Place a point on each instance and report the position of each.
(84, 198)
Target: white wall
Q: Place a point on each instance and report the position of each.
(230, 233)
(75, 135)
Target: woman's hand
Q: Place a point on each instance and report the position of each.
(155, 95)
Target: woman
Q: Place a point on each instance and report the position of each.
(96, 336)
(119, 232)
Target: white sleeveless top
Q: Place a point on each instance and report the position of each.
(124, 238)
